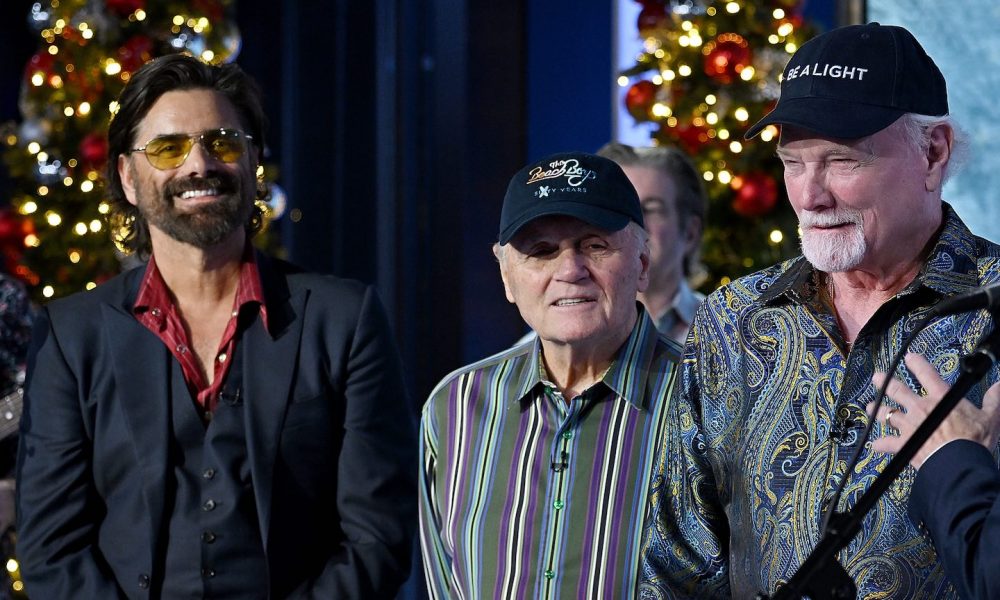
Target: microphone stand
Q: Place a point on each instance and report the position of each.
(821, 577)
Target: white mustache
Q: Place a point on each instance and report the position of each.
(829, 219)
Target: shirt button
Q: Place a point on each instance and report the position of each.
(207, 573)
(144, 581)
(156, 312)
(222, 357)
(208, 537)
(567, 435)
(558, 504)
(549, 574)
(208, 473)
(208, 505)
(182, 348)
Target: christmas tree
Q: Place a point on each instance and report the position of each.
(54, 234)
(707, 71)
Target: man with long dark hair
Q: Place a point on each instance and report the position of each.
(215, 423)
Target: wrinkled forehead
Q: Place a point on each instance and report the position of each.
(558, 227)
(188, 111)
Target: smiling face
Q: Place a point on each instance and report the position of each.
(204, 200)
(861, 203)
(574, 283)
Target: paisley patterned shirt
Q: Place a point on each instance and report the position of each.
(771, 405)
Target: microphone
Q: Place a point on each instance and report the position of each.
(985, 297)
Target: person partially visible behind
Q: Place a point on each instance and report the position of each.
(673, 208)
(956, 492)
(777, 372)
(216, 423)
(15, 332)
(536, 461)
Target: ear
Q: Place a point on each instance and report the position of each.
(643, 282)
(503, 272)
(938, 154)
(692, 235)
(126, 172)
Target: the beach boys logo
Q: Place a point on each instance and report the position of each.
(569, 168)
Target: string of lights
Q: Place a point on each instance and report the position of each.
(707, 70)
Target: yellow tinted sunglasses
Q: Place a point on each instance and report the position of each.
(170, 151)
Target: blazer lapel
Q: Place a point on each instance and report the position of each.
(269, 359)
(140, 366)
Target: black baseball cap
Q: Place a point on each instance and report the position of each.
(591, 188)
(857, 80)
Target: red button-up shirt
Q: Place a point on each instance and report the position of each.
(155, 309)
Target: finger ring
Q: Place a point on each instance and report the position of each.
(888, 416)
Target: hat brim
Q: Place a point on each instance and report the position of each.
(594, 215)
(829, 117)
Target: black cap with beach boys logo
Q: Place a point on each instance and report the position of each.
(857, 80)
(588, 187)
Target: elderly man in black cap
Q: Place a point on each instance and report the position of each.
(773, 393)
(536, 461)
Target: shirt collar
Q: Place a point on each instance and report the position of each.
(950, 268)
(153, 290)
(686, 302)
(627, 375)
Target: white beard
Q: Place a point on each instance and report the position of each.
(833, 252)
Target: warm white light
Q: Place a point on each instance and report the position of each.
(735, 147)
(776, 236)
(661, 110)
(741, 114)
(725, 177)
(48, 291)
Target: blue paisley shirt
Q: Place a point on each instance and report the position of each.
(771, 405)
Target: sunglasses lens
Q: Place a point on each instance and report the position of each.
(168, 151)
(224, 145)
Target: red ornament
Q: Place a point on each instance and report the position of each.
(212, 9)
(652, 16)
(41, 62)
(692, 137)
(726, 57)
(94, 149)
(124, 8)
(756, 194)
(640, 98)
(135, 52)
(13, 229)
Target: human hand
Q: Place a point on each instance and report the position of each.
(965, 422)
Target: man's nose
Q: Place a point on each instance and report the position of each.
(571, 265)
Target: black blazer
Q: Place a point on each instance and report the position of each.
(956, 498)
(331, 442)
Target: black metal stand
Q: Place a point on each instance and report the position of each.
(821, 577)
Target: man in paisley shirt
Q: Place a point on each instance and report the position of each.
(775, 381)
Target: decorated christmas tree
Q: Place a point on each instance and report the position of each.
(53, 231)
(707, 71)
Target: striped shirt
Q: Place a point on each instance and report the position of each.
(526, 495)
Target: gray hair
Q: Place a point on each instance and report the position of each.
(916, 129)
